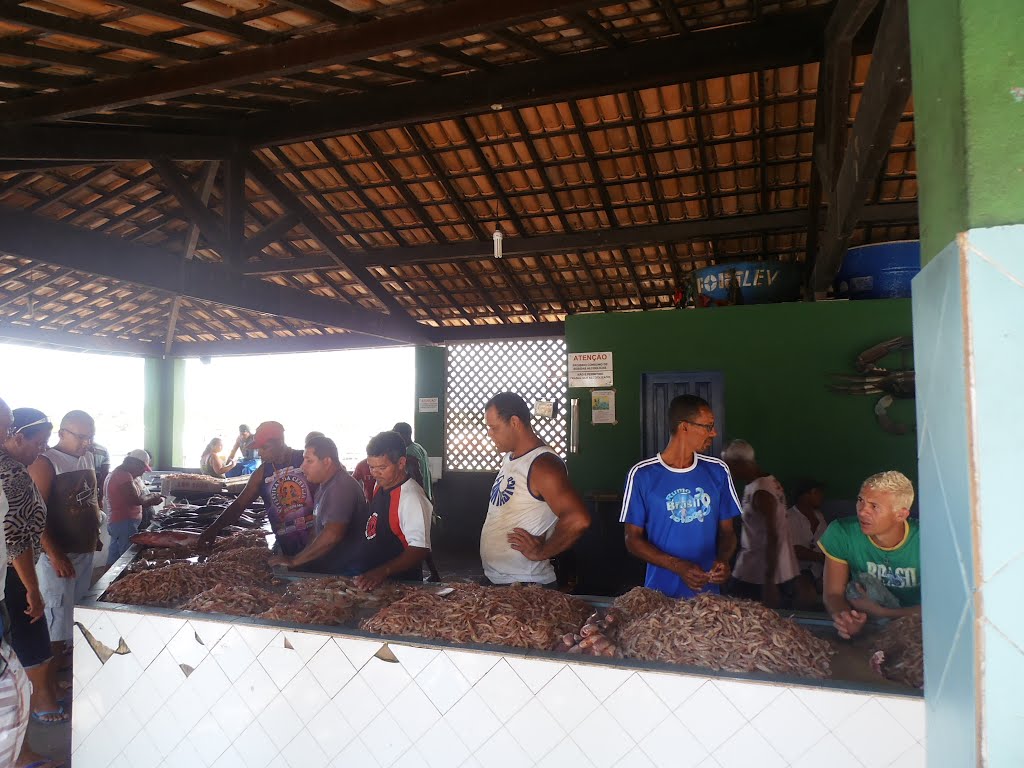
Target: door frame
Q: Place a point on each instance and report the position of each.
(717, 380)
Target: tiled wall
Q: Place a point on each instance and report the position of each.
(969, 355)
(947, 557)
(195, 693)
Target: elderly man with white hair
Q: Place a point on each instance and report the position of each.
(766, 568)
(873, 560)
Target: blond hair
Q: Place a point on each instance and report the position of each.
(893, 482)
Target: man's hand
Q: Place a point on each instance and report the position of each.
(280, 560)
(370, 580)
(849, 623)
(62, 566)
(531, 547)
(692, 575)
(207, 537)
(35, 605)
(720, 572)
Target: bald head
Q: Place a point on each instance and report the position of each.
(77, 430)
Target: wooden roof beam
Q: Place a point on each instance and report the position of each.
(72, 248)
(340, 46)
(43, 142)
(885, 97)
(441, 175)
(510, 211)
(279, 344)
(79, 342)
(86, 29)
(176, 12)
(343, 257)
(777, 41)
(591, 240)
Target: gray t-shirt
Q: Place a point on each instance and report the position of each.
(336, 501)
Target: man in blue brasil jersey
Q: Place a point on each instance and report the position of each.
(678, 507)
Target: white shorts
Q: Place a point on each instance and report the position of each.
(60, 595)
(14, 703)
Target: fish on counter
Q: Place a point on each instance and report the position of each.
(166, 539)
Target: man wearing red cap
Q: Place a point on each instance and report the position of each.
(123, 503)
(287, 493)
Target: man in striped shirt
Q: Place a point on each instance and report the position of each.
(678, 507)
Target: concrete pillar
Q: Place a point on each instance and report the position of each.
(968, 305)
(164, 412)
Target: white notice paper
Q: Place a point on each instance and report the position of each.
(428, 405)
(590, 369)
(602, 406)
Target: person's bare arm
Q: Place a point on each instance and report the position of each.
(317, 548)
(808, 554)
(550, 481)
(42, 474)
(151, 499)
(721, 570)
(141, 500)
(876, 611)
(409, 558)
(235, 448)
(218, 467)
(638, 545)
(847, 621)
(764, 507)
(235, 509)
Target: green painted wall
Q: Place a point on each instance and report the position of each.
(428, 428)
(164, 410)
(776, 360)
(968, 70)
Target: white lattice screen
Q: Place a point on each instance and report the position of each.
(534, 369)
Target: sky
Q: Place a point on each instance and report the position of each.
(109, 387)
(348, 395)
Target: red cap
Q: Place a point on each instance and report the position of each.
(268, 430)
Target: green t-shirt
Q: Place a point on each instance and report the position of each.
(899, 568)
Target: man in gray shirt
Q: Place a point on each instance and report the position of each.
(338, 498)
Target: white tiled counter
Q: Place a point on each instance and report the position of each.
(184, 690)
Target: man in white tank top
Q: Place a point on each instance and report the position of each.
(534, 513)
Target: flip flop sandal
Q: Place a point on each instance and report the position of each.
(62, 717)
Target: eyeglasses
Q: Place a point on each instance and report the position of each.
(709, 428)
(83, 438)
(11, 432)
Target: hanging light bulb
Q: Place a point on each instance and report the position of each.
(497, 241)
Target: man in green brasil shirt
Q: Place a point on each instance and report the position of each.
(880, 545)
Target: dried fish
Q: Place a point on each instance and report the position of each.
(899, 652)
(519, 616)
(233, 600)
(723, 633)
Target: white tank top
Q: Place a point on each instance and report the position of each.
(753, 557)
(513, 506)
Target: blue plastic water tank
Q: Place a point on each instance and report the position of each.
(761, 282)
(879, 271)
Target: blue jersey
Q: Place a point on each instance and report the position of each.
(680, 510)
